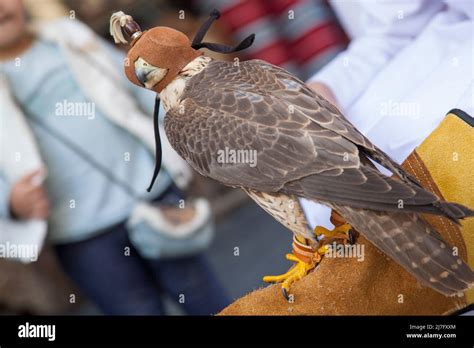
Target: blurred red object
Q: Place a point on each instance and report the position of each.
(299, 35)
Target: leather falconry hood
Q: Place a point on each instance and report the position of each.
(165, 47)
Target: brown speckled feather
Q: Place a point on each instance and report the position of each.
(306, 148)
(410, 241)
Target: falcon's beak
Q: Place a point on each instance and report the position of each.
(148, 75)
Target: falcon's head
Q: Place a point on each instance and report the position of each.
(157, 55)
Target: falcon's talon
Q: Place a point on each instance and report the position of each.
(351, 237)
(297, 272)
(285, 294)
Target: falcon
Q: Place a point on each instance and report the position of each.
(304, 147)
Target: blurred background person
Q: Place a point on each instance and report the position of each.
(93, 168)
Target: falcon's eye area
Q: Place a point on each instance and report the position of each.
(147, 74)
(141, 63)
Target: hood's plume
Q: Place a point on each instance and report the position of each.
(120, 22)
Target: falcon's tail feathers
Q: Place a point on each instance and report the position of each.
(415, 245)
(454, 211)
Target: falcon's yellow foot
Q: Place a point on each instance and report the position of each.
(343, 232)
(298, 271)
(306, 258)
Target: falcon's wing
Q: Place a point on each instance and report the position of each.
(293, 134)
(337, 122)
